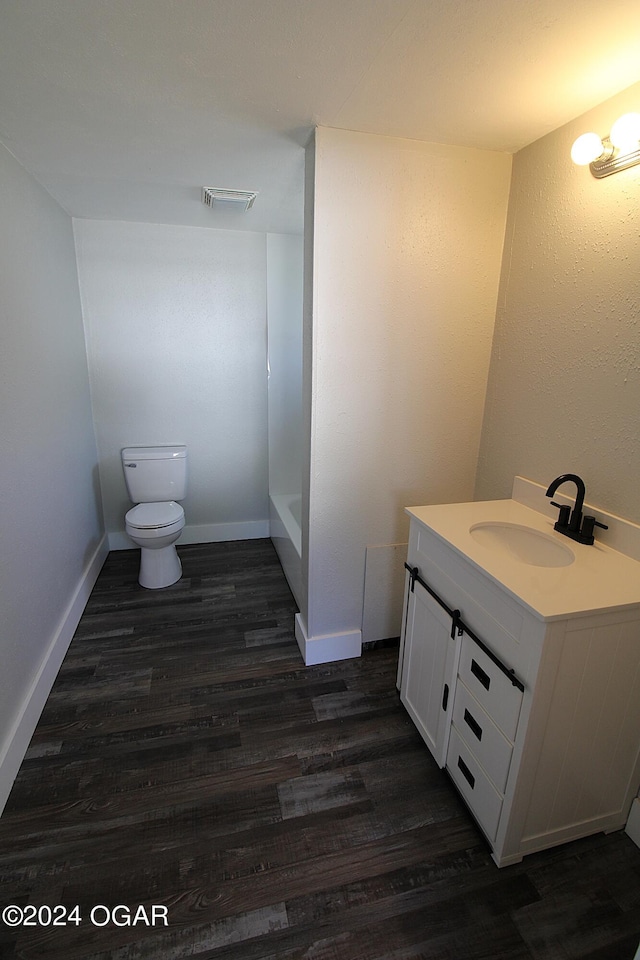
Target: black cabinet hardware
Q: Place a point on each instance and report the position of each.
(473, 724)
(480, 674)
(458, 626)
(466, 773)
(456, 623)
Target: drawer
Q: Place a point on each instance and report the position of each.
(482, 737)
(481, 796)
(490, 686)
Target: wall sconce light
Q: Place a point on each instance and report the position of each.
(621, 149)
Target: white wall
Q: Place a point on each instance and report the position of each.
(564, 387)
(50, 527)
(406, 256)
(175, 321)
(284, 324)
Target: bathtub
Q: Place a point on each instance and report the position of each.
(286, 534)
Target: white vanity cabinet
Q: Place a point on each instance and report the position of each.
(536, 718)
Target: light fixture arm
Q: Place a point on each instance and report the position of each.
(611, 161)
(607, 155)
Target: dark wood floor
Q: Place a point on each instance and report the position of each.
(186, 758)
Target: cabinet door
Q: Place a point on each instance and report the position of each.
(428, 669)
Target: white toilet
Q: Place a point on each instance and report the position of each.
(156, 478)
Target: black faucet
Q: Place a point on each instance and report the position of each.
(571, 524)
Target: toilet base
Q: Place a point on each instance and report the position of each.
(159, 568)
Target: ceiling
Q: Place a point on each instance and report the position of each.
(124, 109)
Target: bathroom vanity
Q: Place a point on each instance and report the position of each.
(520, 666)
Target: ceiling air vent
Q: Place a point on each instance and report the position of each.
(228, 199)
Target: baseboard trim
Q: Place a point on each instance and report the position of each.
(633, 823)
(327, 648)
(203, 533)
(15, 745)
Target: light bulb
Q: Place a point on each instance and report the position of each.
(625, 133)
(586, 149)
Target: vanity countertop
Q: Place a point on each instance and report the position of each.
(599, 580)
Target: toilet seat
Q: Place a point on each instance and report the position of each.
(154, 516)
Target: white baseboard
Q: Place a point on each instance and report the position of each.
(326, 649)
(203, 533)
(633, 823)
(15, 745)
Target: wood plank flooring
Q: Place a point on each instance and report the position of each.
(187, 758)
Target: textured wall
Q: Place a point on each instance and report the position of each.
(564, 386)
(176, 338)
(407, 247)
(50, 524)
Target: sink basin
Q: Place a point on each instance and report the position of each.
(522, 543)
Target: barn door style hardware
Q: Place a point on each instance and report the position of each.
(459, 627)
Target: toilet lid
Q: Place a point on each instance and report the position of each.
(154, 515)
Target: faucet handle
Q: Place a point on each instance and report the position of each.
(563, 517)
(586, 534)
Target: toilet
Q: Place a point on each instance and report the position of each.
(156, 479)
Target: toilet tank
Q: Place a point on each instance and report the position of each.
(155, 474)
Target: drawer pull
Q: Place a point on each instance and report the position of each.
(473, 724)
(466, 773)
(479, 673)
